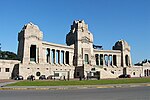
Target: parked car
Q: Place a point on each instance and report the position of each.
(31, 77)
(18, 77)
(42, 77)
(125, 76)
(50, 77)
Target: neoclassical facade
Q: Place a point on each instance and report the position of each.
(78, 58)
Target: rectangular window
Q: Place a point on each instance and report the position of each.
(7, 70)
(86, 59)
(56, 74)
(0, 69)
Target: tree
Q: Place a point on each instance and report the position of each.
(8, 55)
(142, 62)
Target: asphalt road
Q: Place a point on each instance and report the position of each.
(136, 93)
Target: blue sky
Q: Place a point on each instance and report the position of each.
(108, 20)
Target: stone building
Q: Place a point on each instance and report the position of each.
(79, 58)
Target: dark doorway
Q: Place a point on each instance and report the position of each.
(127, 60)
(67, 57)
(124, 71)
(33, 53)
(115, 60)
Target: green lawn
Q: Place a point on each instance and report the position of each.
(77, 82)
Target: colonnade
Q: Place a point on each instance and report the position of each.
(54, 56)
(106, 60)
(147, 72)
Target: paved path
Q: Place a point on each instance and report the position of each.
(4, 82)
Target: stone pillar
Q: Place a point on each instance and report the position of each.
(55, 56)
(50, 56)
(117, 60)
(64, 57)
(71, 58)
(99, 59)
(44, 55)
(112, 60)
(104, 60)
(37, 54)
(59, 57)
(108, 60)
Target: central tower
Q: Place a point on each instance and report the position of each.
(82, 40)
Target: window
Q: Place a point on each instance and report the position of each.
(56, 74)
(7, 70)
(0, 69)
(86, 59)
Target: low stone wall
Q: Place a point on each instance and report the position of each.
(46, 69)
(7, 68)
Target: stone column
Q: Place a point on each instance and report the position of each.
(64, 57)
(104, 60)
(112, 61)
(117, 60)
(108, 58)
(99, 59)
(44, 55)
(50, 56)
(37, 54)
(54, 56)
(59, 57)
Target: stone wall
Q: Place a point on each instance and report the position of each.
(8, 68)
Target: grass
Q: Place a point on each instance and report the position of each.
(77, 82)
